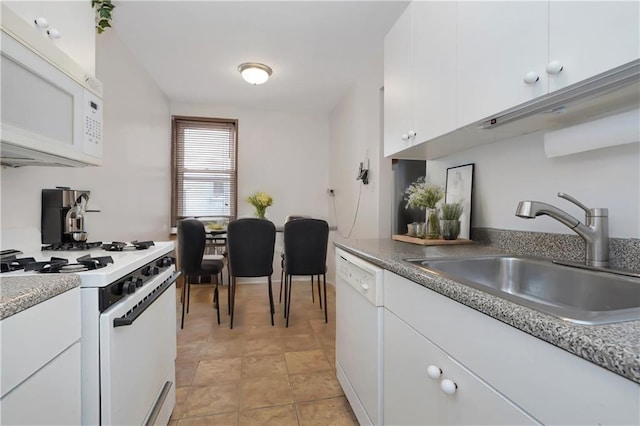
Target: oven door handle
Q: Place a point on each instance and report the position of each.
(139, 310)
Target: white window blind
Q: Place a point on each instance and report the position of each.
(204, 168)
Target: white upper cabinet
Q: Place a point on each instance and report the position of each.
(499, 45)
(73, 21)
(397, 83)
(419, 75)
(587, 38)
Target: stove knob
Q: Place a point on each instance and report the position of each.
(129, 286)
(146, 271)
(138, 281)
(164, 262)
(155, 270)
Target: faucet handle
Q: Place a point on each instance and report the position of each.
(568, 197)
(596, 212)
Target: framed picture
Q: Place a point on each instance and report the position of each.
(459, 189)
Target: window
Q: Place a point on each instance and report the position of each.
(203, 156)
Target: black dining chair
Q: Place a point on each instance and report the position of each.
(305, 253)
(191, 242)
(290, 218)
(250, 246)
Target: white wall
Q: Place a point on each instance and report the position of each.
(132, 188)
(355, 136)
(517, 169)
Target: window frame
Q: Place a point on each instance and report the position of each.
(174, 169)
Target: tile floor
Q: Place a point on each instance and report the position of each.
(257, 374)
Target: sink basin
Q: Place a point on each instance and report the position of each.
(577, 295)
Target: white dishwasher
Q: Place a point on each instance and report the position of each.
(359, 335)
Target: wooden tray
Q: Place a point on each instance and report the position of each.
(427, 242)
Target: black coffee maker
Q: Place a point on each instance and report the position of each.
(63, 212)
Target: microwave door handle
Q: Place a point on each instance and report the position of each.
(130, 319)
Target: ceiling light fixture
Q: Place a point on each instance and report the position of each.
(254, 73)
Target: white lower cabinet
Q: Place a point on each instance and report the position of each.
(50, 396)
(424, 386)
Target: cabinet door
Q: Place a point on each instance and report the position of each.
(434, 69)
(411, 397)
(588, 38)
(76, 22)
(50, 396)
(498, 43)
(397, 84)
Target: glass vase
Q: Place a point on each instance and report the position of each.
(450, 229)
(260, 211)
(433, 224)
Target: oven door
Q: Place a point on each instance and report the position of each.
(137, 355)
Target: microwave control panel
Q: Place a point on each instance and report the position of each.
(92, 124)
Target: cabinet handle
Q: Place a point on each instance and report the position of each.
(412, 133)
(531, 77)
(364, 287)
(449, 387)
(434, 371)
(554, 67)
(405, 137)
(54, 33)
(41, 22)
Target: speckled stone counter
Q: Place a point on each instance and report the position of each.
(20, 293)
(615, 347)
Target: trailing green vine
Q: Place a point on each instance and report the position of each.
(103, 9)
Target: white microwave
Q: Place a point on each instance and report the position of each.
(47, 116)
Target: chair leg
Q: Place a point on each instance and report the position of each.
(324, 280)
(287, 283)
(188, 284)
(232, 290)
(216, 296)
(313, 298)
(319, 293)
(289, 301)
(184, 290)
(271, 307)
(281, 284)
(229, 292)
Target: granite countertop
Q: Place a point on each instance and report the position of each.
(615, 347)
(20, 293)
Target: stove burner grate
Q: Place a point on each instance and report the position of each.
(120, 246)
(74, 246)
(60, 265)
(11, 264)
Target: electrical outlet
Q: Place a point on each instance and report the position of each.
(330, 192)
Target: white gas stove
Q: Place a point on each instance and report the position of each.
(128, 327)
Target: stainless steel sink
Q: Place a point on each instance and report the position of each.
(577, 295)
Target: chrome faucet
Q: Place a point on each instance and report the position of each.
(594, 232)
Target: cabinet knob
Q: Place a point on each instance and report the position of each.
(405, 137)
(41, 22)
(554, 67)
(449, 387)
(54, 33)
(412, 133)
(364, 287)
(531, 77)
(434, 371)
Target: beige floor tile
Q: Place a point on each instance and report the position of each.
(309, 387)
(306, 361)
(217, 370)
(185, 372)
(222, 397)
(282, 415)
(181, 398)
(263, 346)
(262, 366)
(223, 348)
(300, 342)
(265, 392)
(189, 352)
(334, 411)
(225, 419)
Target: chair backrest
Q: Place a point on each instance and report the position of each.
(250, 245)
(191, 241)
(295, 217)
(305, 246)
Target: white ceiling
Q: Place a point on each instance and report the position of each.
(315, 48)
